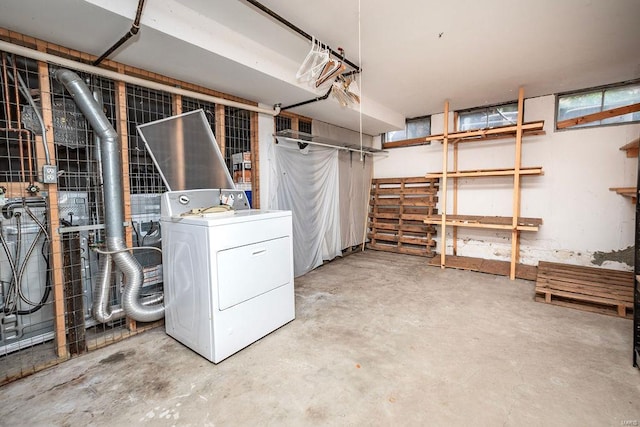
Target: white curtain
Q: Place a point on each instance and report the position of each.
(355, 180)
(306, 183)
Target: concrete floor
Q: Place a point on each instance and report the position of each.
(379, 339)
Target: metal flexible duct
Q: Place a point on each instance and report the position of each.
(114, 200)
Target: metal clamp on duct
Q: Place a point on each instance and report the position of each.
(132, 306)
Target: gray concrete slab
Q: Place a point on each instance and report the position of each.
(379, 339)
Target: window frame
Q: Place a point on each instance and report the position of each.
(406, 129)
(486, 108)
(601, 89)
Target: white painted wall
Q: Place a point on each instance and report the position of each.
(581, 216)
(266, 129)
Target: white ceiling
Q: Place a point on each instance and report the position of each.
(414, 53)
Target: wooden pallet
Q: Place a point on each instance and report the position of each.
(398, 207)
(597, 290)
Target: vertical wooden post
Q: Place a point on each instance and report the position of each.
(443, 186)
(177, 149)
(515, 234)
(255, 162)
(220, 137)
(54, 217)
(123, 133)
(455, 185)
(295, 124)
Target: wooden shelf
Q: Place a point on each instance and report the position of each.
(532, 128)
(535, 170)
(491, 222)
(631, 192)
(632, 148)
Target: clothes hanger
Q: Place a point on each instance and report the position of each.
(330, 75)
(308, 61)
(313, 62)
(324, 56)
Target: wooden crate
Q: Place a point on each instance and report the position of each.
(398, 207)
(597, 290)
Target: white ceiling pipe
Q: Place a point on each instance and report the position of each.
(46, 57)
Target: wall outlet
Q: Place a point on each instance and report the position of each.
(49, 174)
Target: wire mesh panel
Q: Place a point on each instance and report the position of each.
(282, 123)
(304, 126)
(26, 312)
(143, 106)
(191, 104)
(237, 131)
(18, 76)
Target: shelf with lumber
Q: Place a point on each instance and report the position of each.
(632, 148)
(470, 173)
(510, 131)
(491, 222)
(631, 192)
(487, 134)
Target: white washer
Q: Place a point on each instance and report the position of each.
(228, 278)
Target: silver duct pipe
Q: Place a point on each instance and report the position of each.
(114, 199)
(102, 311)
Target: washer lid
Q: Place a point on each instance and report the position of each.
(185, 152)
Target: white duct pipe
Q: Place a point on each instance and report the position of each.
(46, 57)
(114, 198)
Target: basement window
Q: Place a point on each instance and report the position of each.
(416, 127)
(488, 117)
(590, 101)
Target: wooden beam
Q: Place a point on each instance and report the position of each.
(443, 187)
(632, 148)
(57, 263)
(531, 170)
(515, 244)
(606, 114)
(220, 136)
(123, 135)
(455, 185)
(406, 143)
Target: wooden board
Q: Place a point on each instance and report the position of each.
(532, 170)
(398, 207)
(631, 192)
(499, 268)
(491, 222)
(591, 289)
(484, 134)
(632, 148)
(614, 112)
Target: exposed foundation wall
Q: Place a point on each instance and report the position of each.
(584, 222)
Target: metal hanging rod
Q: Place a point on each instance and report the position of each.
(297, 29)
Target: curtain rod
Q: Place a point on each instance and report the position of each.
(337, 147)
(80, 66)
